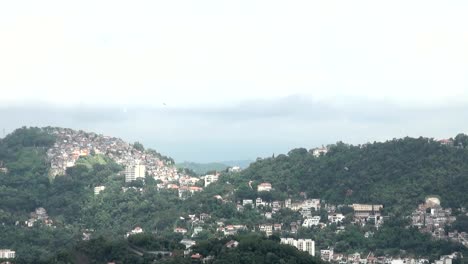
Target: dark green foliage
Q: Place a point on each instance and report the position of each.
(253, 248)
(202, 168)
(461, 224)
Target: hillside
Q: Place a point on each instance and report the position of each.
(64, 219)
(202, 168)
(398, 173)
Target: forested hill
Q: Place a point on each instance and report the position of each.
(398, 173)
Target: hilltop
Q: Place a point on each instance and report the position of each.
(398, 173)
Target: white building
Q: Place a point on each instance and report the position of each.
(264, 187)
(326, 254)
(235, 169)
(313, 221)
(336, 218)
(307, 245)
(99, 189)
(247, 201)
(137, 230)
(133, 172)
(267, 228)
(319, 151)
(209, 179)
(7, 254)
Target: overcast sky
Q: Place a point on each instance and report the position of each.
(223, 80)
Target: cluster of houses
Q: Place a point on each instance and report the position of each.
(187, 185)
(39, 215)
(70, 145)
(431, 218)
(370, 258)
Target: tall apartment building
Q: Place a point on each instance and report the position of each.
(7, 254)
(307, 245)
(133, 172)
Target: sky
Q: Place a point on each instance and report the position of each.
(225, 80)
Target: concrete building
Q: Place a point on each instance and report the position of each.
(7, 254)
(307, 245)
(134, 172)
(365, 210)
(99, 189)
(336, 218)
(264, 187)
(319, 151)
(313, 221)
(209, 179)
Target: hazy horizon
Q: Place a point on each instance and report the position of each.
(212, 80)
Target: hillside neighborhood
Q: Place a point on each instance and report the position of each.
(304, 214)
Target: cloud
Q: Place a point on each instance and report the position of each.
(248, 129)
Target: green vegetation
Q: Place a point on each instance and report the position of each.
(397, 173)
(202, 168)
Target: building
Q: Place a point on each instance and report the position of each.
(209, 179)
(264, 187)
(365, 210)
(137, 230)
(307, 245)
(319, 151)
(235, 169)
(7, 254)
(99, 189)
(267, 229)
(180, 230)
(311, 203)
(246, 202)
(232, 244)
(336, 218)
(134, 172)
(326, 254)
(313, 221)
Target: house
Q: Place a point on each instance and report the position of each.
(232, 244)
(209, 179)
(7, 254)
(326, 254)
(204, 216)
(258, 202)
(196, 258)
(313, 221)
(229, 230)
(99, 189)
(311, 203)
(137, 230)
(264, 187)
(188, 243)
(319, 151)
(235, 169)
(277, 227)
(266, 228)
(246, 202)
(336, 218)
(180, 230)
